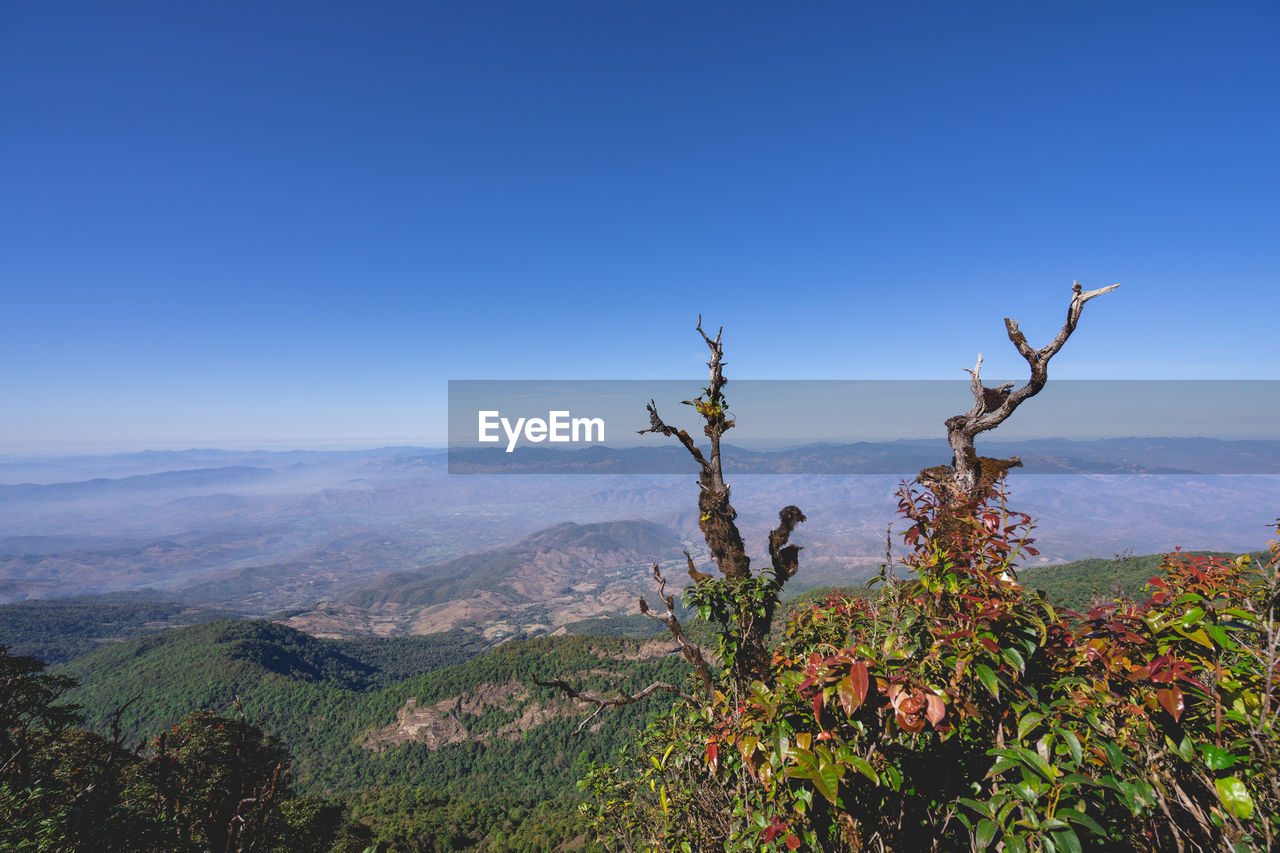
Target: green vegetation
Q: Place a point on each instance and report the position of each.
(324, 697)
(508, 785)
(59, 629)
(959, 710)
(955, 708)
(943, 707)
(207, 783)
(413, 819)
(1081, 584)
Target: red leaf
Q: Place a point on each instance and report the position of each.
(844, 687)
(713, 754)
(935, 710)
(1171, 701)
(910, 722)
(860, 679)
(792, 842)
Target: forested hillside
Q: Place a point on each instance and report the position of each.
(329, 699)
(59, 629)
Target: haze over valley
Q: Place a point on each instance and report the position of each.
(386, 543)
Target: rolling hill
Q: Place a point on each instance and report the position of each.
(443, 711)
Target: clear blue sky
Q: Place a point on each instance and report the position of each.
(289, 223)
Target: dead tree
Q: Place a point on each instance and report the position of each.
(717, 519)
(969, 475)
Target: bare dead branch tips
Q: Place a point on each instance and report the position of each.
(601, 702)
(786, 558)
(1037, 360)
(993, 406)
(716, 363)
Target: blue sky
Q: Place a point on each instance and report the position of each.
(290, 223)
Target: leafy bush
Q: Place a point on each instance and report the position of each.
(956, 709)
(960, 710)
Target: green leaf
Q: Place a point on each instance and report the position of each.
(1220, 636)
(1082, 819)
(980, 808)
(1033, 759)
(864, 768)
(1012, 658)
(1114, 756)
(1073, 744)
(826, 779)
(1001, 765)
(1027, 723)
(1193, 615)
(1215, 757)
(986, 834)
(1066, 840)
(988, 678)
(893, 776)
(1235, 797)
(1183, 748)
(1198, 636)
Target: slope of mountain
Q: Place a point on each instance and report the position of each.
(375, 712)
(565, 573)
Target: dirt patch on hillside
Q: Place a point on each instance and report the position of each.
(441, 723)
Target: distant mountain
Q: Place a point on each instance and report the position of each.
(900, 458)
(565, 573)
(40, 567)
(199, 478)
(317, 527)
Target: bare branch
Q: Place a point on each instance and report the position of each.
(993, 406)
(692, 653)
(656, 424)
(601, 702)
